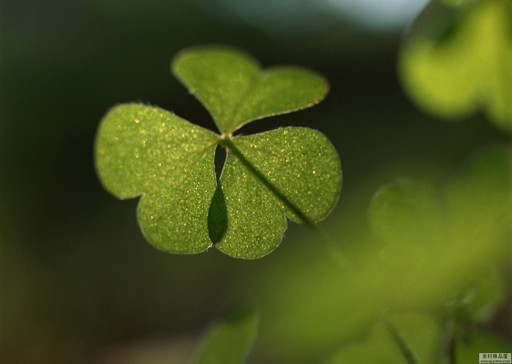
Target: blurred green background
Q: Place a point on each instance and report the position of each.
(78, 282)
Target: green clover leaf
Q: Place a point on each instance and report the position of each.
(464, 228)
(288, 172)
(235, 91)
(458, 60)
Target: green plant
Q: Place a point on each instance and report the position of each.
(431, 271)
(289, 172)
(427, 278)
(458, 60)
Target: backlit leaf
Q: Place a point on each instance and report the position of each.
(465, 68)
(406, 211)
(149, 152)
(167, 161)
(235, 91)
(300, 163)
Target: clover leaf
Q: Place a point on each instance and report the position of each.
(464, 229)
(458, 60)
(235, 91)
(407, 211)
(403, 210)
(169, 162)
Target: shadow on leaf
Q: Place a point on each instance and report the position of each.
(217, 216)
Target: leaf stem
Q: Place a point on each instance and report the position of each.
(289, 204)
(450, 341)
(333, 251)
(400, 342)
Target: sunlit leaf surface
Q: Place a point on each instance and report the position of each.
(405, 266)
(149, 152)
(300, 163)
(290, 172)
(235, 91)
(456, 61)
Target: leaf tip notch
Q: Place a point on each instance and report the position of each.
(235, 90)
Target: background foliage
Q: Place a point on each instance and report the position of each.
(80, 284)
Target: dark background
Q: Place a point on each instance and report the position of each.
(78, 282)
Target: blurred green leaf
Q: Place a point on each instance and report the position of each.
(458, 275)
(480, 342)
(477, 208)
(423, 335)
(479, 198)
(149, 152)
(406, 211)
(484, 295)
(468, 68)
(235, 91)
(229, 341)
(379, 348)
(478, 204)
(402, 338)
